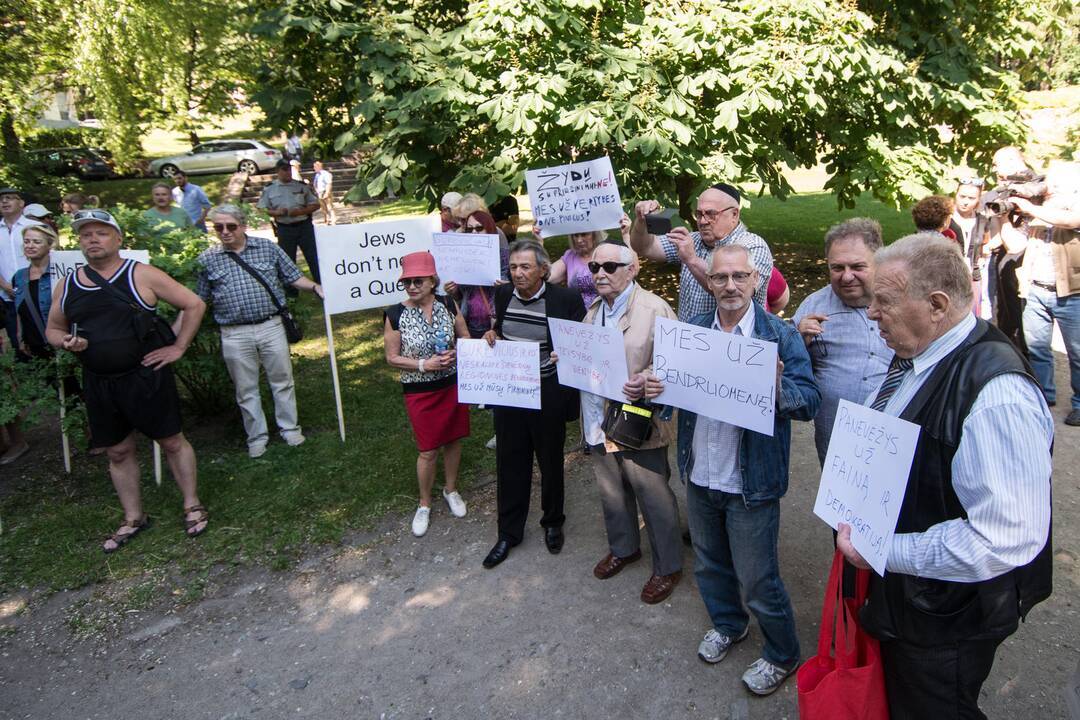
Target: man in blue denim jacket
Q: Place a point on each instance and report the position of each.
(736, 478)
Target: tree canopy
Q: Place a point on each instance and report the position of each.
(468, 96)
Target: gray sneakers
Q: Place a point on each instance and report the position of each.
(714, 646)
(764, 678)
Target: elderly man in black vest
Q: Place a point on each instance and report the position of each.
(971, 553)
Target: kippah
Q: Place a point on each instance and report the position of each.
(728, 190)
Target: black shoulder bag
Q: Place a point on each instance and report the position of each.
(293, 332)
(151, 329)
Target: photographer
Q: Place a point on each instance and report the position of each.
(1052, 267)
(1007, 243)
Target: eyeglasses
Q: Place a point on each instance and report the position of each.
(721, 279)
(231, 227)
(974, 182)
(93, 215)
(413, 281)
(609, 267)
(710, 215)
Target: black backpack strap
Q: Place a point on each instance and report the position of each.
(253, 273)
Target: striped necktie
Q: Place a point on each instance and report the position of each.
(897, 369)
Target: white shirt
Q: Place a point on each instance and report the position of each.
(716, 443)
(11, 249)
(1000, 473)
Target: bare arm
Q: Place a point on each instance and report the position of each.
(190, 305)
(57, 326)
(1058, 217)
(640, 240)
(688, 257)
(305, 283)
(557, 276)
(394, 358)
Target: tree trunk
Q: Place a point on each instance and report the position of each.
(684, 186)
(10, 136)
(189, 83)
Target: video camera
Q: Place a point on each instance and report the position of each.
(1024, 184)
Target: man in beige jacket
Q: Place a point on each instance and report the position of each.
(630, 477)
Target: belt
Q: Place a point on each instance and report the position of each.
(253, 322)
(1052, 287)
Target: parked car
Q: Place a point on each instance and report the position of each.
(85, 162)
(249, 156)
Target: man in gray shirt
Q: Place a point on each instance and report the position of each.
(291, 204)
(849, 357)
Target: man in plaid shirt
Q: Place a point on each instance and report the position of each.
(251, 331)
(719, 224)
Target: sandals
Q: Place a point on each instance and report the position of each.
(202, 518)
(120, 538)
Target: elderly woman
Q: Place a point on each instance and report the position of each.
(521, 312)
(418, 335)
(446, 211)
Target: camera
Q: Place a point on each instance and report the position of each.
(1025, 185)
(659, 223)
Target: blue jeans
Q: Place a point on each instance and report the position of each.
(1043, 308)
(735, 550)
(11, 323)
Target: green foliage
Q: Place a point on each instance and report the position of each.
(39, 137)
(678, 94)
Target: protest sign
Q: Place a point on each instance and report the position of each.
(574, 198)
(360, 263)
(507, 374)
(591, 357)
(865, 476)
(717, 374)
(65, 262)
(466, 258)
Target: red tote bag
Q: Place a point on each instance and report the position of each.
(849, 685)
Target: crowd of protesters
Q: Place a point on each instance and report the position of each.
(949, 327)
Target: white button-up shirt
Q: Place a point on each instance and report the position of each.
(716, 443)
(11, 249)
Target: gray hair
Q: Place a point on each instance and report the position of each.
(626, 255)
(934, 264)
(866, 229)
(733, 249)
(162, 185)
(232, 211)
(542, 258)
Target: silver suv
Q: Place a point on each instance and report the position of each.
(247, 156)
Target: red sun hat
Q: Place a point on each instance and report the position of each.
(417, 264)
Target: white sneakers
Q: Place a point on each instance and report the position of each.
(420, 521)
(422, 518)
(257, 450)
(457, 505)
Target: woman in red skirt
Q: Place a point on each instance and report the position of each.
(419, 336)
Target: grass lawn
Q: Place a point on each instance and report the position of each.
(268, 511)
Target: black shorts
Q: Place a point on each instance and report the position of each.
(145, 400)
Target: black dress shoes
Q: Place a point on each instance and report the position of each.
(553, 538)
(497, 554)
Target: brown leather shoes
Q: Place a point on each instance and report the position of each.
(660, 587)
(611, 565)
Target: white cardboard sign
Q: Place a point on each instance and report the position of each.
(574, 198)
(865, 476)
(360, 263)
(65, 262)
(591, 357)
(466, 258)
(717, 374)
(507, 374)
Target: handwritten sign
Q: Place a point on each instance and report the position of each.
(591, 357)
(360, 263)
(65, 262)
(865, 476)
(507, 374)
(466, 258)
(720, 375)
(574, 198)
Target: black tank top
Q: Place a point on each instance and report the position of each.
(113, 345)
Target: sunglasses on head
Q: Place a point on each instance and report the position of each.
(974, 182)
(231, 227)
(413, 281)
(609, 267)
(92, 214)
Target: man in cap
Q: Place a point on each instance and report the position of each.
(12, 224)
(104, 313)
(291, 204)
(719, 225)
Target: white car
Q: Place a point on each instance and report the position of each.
(218, 156)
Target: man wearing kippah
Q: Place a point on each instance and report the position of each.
(719, 224)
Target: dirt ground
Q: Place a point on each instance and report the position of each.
(390, 626)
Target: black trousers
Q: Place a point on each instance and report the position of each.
(942, 683)
(1009, 308)
(300, 235)
(519, 436)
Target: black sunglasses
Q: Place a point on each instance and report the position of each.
(609, 267)
(231, 227)
(417, 281)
